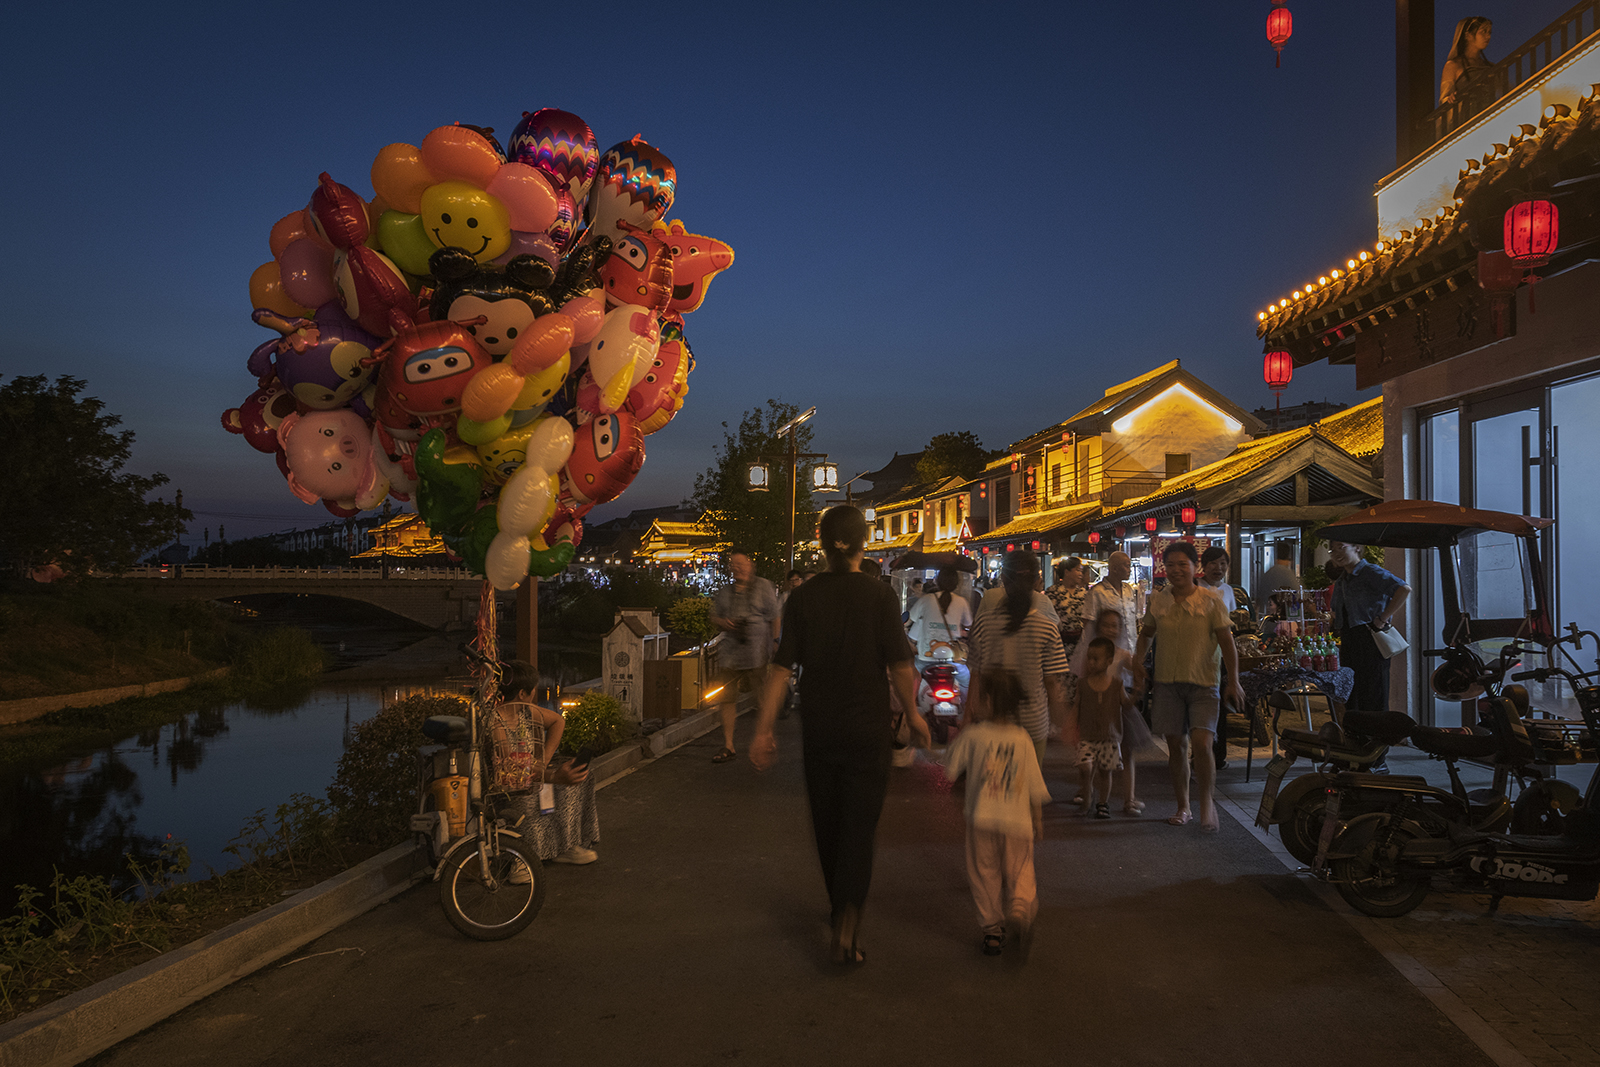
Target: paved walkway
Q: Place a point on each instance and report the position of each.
(699, 936)
(1525, 982)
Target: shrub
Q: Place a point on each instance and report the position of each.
(690, 618)
(279, 657)
(374, 790)
(597, 724)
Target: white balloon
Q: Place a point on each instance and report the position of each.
(527, 500)
(506, 562)
(550, 444)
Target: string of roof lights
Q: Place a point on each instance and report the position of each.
(1531, 226)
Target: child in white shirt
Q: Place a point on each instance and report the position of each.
(1005, 797)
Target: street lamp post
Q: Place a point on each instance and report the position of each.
(825, 476)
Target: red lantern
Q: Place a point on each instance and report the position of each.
(1533, 228)
(1188, 516)
(1122, 531)
(1036, 546)
(1277, 370)
(1094, 537)
(1280, 25)
(1150, 524)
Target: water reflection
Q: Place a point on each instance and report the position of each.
(197, 778)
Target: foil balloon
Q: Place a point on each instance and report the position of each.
(457, 214)
(562, 146)
(506, 562)
(627, 343)
(461, 154)
(695, 261)
(634, 183)
(497, 305)
(399, 176)
(324, 363)
(659, 396)
(425, 372)
(607, 453)
(337, 214)
(639, 271)
(306, 271)
(258, 417)
(329, 454)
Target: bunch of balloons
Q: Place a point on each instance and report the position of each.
(493, 333)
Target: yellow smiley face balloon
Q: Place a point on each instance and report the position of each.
(459, 215)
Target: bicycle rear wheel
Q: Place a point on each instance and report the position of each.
(503, 905)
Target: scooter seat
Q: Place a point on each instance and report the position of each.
(1316, 746)
(1454, 746)
(450, 729)
(1385, 726)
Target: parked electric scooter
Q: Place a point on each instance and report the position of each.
(942, 694)
(1354, 741)
(1384, 863)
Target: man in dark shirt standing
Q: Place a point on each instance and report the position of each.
(844, 629)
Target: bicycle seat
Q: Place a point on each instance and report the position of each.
(1386, 726)
(450, 729)
(1453, 746)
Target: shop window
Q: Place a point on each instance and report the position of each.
(1177, 464)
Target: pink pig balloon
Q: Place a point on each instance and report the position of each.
(329, 455)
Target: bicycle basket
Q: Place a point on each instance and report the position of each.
(516, 749)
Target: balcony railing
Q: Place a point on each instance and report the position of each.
(1506, 76)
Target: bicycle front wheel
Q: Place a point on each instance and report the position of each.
(505, 903)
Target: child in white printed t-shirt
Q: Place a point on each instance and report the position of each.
(1004, 806)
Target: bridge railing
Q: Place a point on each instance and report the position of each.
(332, 574)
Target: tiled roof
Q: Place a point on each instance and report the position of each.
(1039, 522)
(895, 544)
(1357, 430)
(1440, 255)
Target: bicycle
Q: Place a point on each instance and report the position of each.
(491, 884)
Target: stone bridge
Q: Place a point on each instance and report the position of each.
(442, 598)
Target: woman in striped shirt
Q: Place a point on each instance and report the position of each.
(1018, 637)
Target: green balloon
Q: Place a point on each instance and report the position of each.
(473, 432)
(552, 561)
(405, 240)
(447, 493)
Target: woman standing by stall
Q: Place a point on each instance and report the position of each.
(1365, 598)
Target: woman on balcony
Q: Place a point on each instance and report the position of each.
(1466, 78)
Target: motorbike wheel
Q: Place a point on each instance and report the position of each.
(501, 907)
(1301, 825)
(1366, 872)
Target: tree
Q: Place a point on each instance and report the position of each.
(953, 455)
(67, 501)
(758, 522)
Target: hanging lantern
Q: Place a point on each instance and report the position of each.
(1532, 230)
(1094, 537)
(1036, 546)
(1150, 524)
(1277, 369)
(1122, 531)
(1280, 25)
(1188, 516)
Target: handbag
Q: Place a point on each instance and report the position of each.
(1389, 641)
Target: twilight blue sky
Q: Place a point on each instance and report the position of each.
(946, 216)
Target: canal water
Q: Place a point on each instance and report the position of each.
(197, 780)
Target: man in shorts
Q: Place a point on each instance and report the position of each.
(1193, 637)
(746, 611)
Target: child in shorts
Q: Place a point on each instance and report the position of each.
(1004, 806)
(1102, 699)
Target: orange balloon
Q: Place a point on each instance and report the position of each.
(266, 291)
(546, 340)
(286, 231)
(399, 175)
(491, 393)
(455, 153)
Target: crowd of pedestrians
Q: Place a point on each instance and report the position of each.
(1074, 662)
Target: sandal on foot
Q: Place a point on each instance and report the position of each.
(993, 944)
(1182, 818)
(1133, 807)
(1102, 811)
(724, 756)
